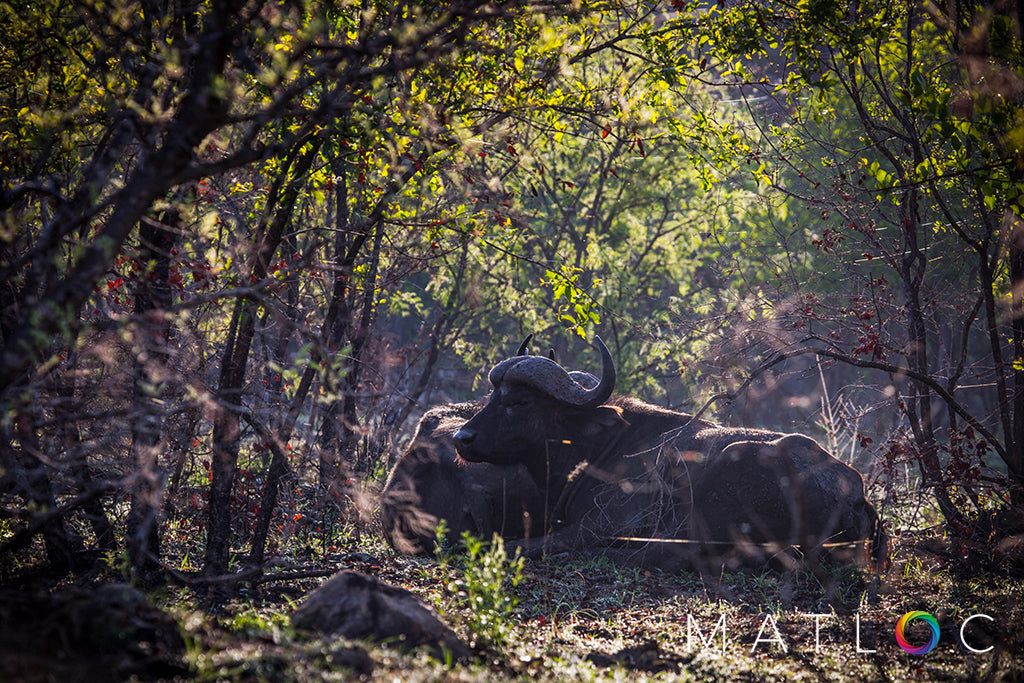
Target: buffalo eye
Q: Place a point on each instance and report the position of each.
(517, 401)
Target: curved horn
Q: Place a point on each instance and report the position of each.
(523, 351)
(602, 391)
(551, 378)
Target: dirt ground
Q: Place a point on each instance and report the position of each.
(574, 619)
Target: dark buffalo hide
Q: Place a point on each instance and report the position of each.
(657, 486)
(430, 483)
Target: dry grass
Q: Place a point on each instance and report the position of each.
(588, 620)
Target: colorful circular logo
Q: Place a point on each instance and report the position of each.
(914, 616)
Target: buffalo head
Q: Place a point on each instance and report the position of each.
(534, 403)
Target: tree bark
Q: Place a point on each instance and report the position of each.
(78, 466)
(1015, 442)
(226, 428)
(919, 404)
(25, 472)
(152, 339)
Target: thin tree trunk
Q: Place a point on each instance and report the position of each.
(226, 428)
(225, 440)
(32, 482)
(329, 439)
(351, 434)
(152, 338)
(1015, 444)
(78, 466)
(919, 408)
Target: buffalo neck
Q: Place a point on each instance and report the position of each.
(643, 427)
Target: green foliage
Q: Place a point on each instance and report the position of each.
(578, 311)
(117, 563)
(486, 577)
(255, 623)
(896, 167)
(442, 547)
(381, 195)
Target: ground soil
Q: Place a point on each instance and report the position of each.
(576, 619)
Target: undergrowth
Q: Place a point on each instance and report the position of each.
(588, 619)
(482, 587)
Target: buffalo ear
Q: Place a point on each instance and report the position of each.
(597, 421)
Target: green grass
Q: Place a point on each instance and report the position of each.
(583, 619)
(586, 619)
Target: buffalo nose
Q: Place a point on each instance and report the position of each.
(464, 437)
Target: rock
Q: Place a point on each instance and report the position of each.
(355, 659)
(643, 656)
(365, 558)
(357, 606)
(107, 632)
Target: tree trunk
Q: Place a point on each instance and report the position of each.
(330, 439)
(152, 339)
(1015, 442)
(78, 465)
(25, 472)
(226, 427)
(919, 404)
(360, 335)
(225, 438)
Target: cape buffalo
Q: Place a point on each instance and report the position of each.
(429, 483)
(623, 473)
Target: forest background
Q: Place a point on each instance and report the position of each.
(244, 246)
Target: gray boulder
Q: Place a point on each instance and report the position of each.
(360, 607)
